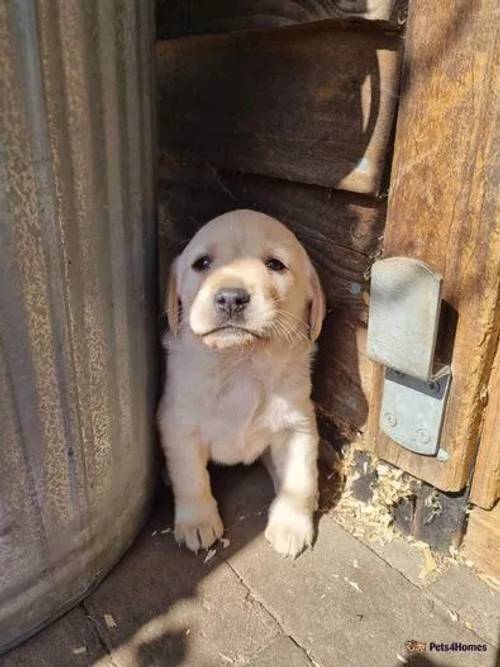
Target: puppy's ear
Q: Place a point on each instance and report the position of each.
(317, 309)
(172, 301)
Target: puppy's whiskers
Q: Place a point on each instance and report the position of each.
(281, 328)
(294, 326)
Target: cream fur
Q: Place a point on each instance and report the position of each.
(234, 395)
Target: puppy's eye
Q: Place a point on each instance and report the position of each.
(202, 263)
(274, 264)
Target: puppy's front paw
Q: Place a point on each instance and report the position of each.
(289, 530)
(198, 526)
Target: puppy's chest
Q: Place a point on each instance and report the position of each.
(241, 418)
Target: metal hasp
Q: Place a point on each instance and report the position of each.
(405, 303)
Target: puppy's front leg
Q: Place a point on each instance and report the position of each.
(290, 524)
(197, 520)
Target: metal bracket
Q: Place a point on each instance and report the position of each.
(405, 304)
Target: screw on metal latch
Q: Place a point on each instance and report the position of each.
(434, 387)
(423, 436)
(389, 420)
(442, 455)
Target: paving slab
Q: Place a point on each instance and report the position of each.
(339, 605)
(477, 605)
(71, 641)
(340, 598)
(281, 652)
(467, 596)
(172, 607)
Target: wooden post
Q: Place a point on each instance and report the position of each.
(443, 209)
(485, 489)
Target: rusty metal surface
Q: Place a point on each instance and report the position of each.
(77, 298)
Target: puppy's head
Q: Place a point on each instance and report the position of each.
(244, 278)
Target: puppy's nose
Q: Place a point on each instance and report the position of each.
(229, 300)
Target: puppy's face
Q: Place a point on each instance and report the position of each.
(244, 278)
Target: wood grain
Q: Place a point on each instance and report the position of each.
(485, 489)
(443, 207)
(178, 18)
(313, 104)
(482, 541)
(342, 233)
(343, 374)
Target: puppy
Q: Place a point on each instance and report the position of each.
(244, 306)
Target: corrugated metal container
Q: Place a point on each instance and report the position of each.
(77, 298)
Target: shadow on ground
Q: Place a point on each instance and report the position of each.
(338, 605)
(160, 597)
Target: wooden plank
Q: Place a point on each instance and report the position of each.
(482, 542)
(443, 209)
(343, 374)
(178, 18)
(313, 104)
(485, 489)
(342, 232)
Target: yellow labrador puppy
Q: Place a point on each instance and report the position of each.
(244, 306)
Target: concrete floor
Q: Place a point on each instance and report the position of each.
(342, 604)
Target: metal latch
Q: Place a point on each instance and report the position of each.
(405, 303)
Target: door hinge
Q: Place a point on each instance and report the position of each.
(405, 303)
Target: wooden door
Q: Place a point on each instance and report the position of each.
(444, 209)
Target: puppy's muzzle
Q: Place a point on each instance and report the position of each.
(229, 301)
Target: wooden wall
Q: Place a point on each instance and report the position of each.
(288, 108)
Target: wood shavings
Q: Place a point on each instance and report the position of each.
(456, 559)
(110, 621)
(355, 563)
(373, 521)
(490, 580)
(210, 554)
(354, 584)
(226, 658)
(80, 650)
(429, 562)
(225, 542)
(400, 659)
(165, 531)
(433, 507)
(453, 615)
(155, 532)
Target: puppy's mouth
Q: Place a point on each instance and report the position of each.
(231, 330)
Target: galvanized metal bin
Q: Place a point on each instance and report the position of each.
(77, 299)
